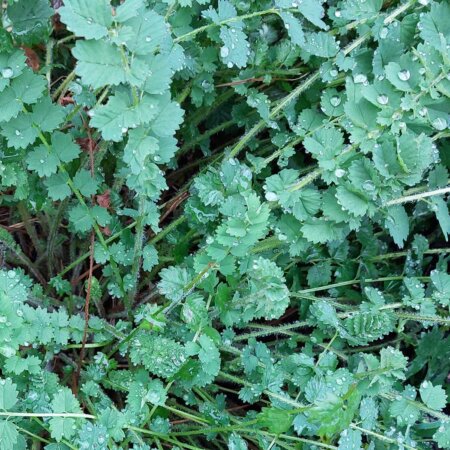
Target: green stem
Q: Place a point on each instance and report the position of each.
(350, 282)
(193, 33)
(137, 256)
(62, 415)
(415, 197)
(63, 86)
(49, 62)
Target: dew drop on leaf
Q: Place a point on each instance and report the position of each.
(224, 52)
(423, 112)
(383, 33)
(271, 197)
(335, 100)
(439, 124)
(383, 99)
(404, 75)
(7, 72)
(360, 78)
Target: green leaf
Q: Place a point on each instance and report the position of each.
(234, 51)
(320, 44)
(20, 132)
(173, 282)
(42, 161)
(442, 435)
(121, 113)
(8, 435)
(320, 231)
(99, 63)
(209, 356)
(276, 420)
(397, 224)
(10, 106)
(168, 119)
(313, 11)
(47, 116)
(149, 257)
(334, 414)
(350, 440)
(101, 215)
(294, 28)
(403, 409)
(433, 396)
(8, 394)
(30, 19)
(352, 200)
(434, 26)
(235, 442)
(147, 33)
(160, 356)
(139, 147)
(440, 207)
(64, 147)
(80, 218)
(356, 10)
(64, 402)
(128, 9)
(85, 183)
(324, 145)
(90, 20)
(441, 282)
(29, 86)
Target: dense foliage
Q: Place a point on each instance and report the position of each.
(224, 224)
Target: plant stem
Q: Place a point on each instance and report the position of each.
(137, 255)
(63, 86)
(415, 197)
(198, 30)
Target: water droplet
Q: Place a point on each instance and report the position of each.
(368, 186)
(124, 130)
(439, 124)
(423, 112)
(424, 2)
(224, 51)
(404, 75)
(383, 99)
(89, 20)
(337, 13)
(41, 161)
(286, 25)
(335, 100)
(271, 197)
(148, 39)
(230, 64)
(360, 78)
(7, 72)
(334, 72)
(339, 173)
(383, 33)
(18, 133)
